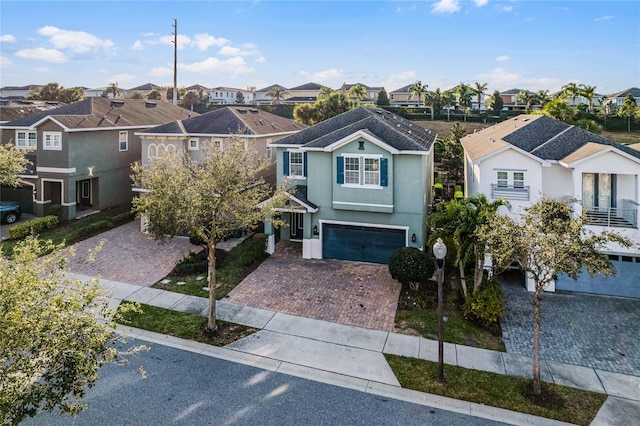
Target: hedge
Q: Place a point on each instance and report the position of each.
(32, 226)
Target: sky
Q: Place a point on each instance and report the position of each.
(523, 44)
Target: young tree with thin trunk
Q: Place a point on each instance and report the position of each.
(206, 198)
(416, 90)
(479, 90)
(464, 95)
(548, 240)
(13, 162)
(55, 333)
(495, 102)
(628, 110)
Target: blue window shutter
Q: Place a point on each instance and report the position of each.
(304, 164)
(285, 163)
(384, 171)
(340, 171)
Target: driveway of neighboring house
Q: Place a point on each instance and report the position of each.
(352, 293)
(129, 256)
(582, 329)
(4, 227)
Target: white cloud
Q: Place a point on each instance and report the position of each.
(398, 10)
(529, 18)
(161, 72)
(49, 55)
(604, 18)
(5, 62)
(122, 78)
(327, 75)
(138, 45)
(446, 6)
(233, 66)
(42, 69)
(183, 40)
(7, 38)
(506, 8)
(480, 3)
(503, 58)
(77, 41)
(501, 79)
(236, 51)
(261, 59)
(204, 41)
(395, 81)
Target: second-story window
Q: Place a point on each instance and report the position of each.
(518, 180)
(194, 144)
(26, 139)
(503, 179)
(52, 141)
(296, 164)
(123, 140)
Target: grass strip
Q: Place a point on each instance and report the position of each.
(183, 325)
(509, 392)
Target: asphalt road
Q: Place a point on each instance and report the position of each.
(184, 388)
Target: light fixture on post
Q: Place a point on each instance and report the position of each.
(440, 251)
(315, 230)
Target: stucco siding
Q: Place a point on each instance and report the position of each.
(557, 182)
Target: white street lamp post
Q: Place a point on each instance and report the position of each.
(440, 251)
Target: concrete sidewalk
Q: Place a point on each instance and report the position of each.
(353, 357)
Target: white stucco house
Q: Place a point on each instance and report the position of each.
(528, 156)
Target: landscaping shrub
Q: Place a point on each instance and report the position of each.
(55, 210)
(33, 226)
(411, 266)
(192, 264)
(486, 304)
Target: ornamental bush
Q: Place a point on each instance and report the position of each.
(32, 226)
(485, 304)
(411, 266)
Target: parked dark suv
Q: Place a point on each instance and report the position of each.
(10, 211)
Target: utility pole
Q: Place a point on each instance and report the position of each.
(175, 62)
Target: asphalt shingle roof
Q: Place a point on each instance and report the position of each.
(395, 131)
(230, 120)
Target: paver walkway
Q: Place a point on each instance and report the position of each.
(581, 329)
(130, 256)
(352, 293)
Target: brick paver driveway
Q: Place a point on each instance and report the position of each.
(352, 293)
(129, 256)
(582, 329)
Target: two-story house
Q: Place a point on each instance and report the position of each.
(191, 135)
(81, 153)
(372, 92)
(528, 156)
(360, 186)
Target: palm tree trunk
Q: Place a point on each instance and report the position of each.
(478, 272)
(463, 281)
(211, 258)
(537, 384)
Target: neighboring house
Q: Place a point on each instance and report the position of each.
(509, 100)
(82, 153)
(372, 92)
(579, 100)
(619, 97)
(400, 97)
(360, 186)
(528, 156)
(260, 96)
(227, 95)
(192, 135)
(305, 93)
(144, 90)
(18, 92)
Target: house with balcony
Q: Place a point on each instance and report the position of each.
(360, 184)
(81, 153)
(528, 156)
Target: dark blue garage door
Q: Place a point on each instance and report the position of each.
(625, 283)
(361, 243)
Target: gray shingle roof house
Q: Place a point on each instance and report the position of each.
(82, 152)
(361, 185)
(191, 135)
(528, 156)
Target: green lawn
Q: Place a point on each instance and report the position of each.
(231, 269)
(183, 325)
(508, 392)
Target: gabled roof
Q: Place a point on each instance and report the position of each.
(543, 137)
(634, 91)
(396, 132)
(348, 86)
(28, 87)
(228, 89)
(146, 87)
(266, 89)
(105, 113)
(403, 89)
(197, 87)
(228, 121)
(308, 86)
(511, 92)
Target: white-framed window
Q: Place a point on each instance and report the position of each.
(194, 144)
(26, 139)
(52, 141)
(269, 150)
(296, 163)
(123, 140)
(503, 179)
(352, 170)
(372, 171)
(518, 179)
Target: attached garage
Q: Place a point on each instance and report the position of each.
(23, 195)
(625, 283)
(361, 243)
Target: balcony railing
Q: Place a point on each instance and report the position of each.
(613, 217)
(510, 192)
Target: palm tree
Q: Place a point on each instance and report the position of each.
(464, 94)
(448, 100)
(588, 92)
(113, 89)
(479, 90)
(358, 91)
(433, 99)
(305, 114)
(276, 93)
(605, 108)
(628, 109)
(571, 90)
(542, 97)
(416, 90)
(526, 98)
(495, 102)
(324, 92)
